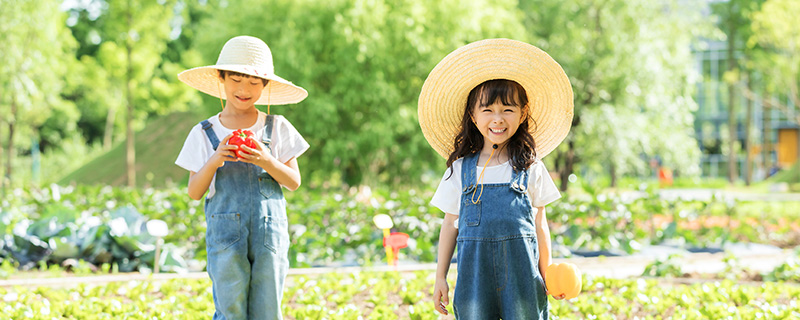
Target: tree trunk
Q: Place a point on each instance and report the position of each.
(10, 154)
(767, 136)
(109, 130)
(748, 171)
(569, 161)
(613, 172)
(2, 180)
(129, 145)
(732, 132)
(558, 166)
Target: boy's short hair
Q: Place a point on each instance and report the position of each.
(223, 73)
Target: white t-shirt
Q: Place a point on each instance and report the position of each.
(541, 188)
(286, 144)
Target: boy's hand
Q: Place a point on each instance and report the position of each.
(225, 152)
(259, 156)
(441, 298)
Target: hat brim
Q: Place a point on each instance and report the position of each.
(277, 91)
(444, 94)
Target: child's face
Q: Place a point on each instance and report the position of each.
(242, 92)
(497, 122)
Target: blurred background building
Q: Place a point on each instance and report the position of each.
(773, 137)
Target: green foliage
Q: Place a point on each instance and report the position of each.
(789, 175)
(697, 182)
(775, 42)
(72, 153)
(123, 79)
(613, 299)
(142, 29)
(309, 297)
(333, 226)
(788, 271)
(667, 267)
(363, 64)
(34, 61)
(100, 225)
(615, 224)
(733, 269)
(629, 63)
(627, 183)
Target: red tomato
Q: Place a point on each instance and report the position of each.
(242, 137)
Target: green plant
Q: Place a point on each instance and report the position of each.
(667, 267)
(733, 269)
(333, 225)
(602, 298)
(788, 271)
(7, 269)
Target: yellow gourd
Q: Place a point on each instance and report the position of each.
(563, 278)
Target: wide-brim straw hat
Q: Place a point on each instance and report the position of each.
(250, 56)
(444, 94)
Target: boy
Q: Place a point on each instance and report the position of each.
(247, 237)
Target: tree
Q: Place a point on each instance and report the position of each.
(36, 53)
(125, 60)
(630, 68)
(775, 28)
(363, 64)
(734, 23)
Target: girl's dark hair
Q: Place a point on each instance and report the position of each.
(521, 147)
(223, 73)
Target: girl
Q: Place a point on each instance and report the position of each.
(502, 104)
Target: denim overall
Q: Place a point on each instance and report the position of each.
(498, 255)
(247, 238)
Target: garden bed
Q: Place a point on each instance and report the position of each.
(404, 295)
(100, 226)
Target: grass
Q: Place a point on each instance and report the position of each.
(157, 147)
(790, 175)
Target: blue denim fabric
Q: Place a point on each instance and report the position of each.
(247, 241)
(498, 255)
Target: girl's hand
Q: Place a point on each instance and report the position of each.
(547, 292)
(559, 297)
(225, 152)
(259, 156)
(440, 296)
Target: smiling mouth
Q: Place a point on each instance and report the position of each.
(497, 130)
(243, 99)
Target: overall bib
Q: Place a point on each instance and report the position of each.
(247, 238)
(498, 255)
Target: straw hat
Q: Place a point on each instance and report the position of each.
(247, 55)
(444, 94)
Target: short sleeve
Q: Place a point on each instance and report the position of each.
(542, 189)
(195, 151)
(448, 194)
(290, 143)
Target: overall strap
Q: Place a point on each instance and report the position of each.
(210, 133)
(469, 166)
(266, 138)
(519, 180)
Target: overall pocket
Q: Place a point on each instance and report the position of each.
(223, 229)
(276, 237)
(267, 185)
(471, 213)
